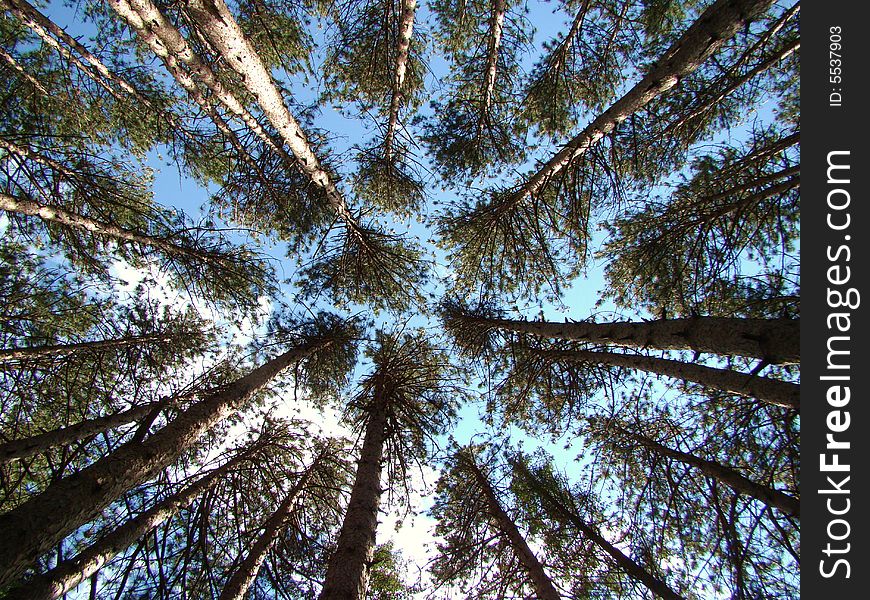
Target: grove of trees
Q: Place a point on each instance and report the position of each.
(524, 272)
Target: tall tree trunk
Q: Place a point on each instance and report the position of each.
(406, 29)
(771, 391)
(544, 588)
(221, 28)
(237, 586)
(22, 448)
(496, 29)
(68, 574)
(24, 353)
(716, 25)
(55, 214)
(634, 570)
(773, 340)
(726, 475)
(37, 525)
(10, 60)
(347, 575)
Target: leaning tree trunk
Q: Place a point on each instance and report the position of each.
(773, 340)
(713, 28)
(737, 482)
(634, 570)
(70, 573)
(496, 29)
(406, 29)
(237, 585)
(29, 446)
(347, 575)
(222, 30)
(544, 588)
(39, 524)
(36, 352)
(765, 389)
(55, 214)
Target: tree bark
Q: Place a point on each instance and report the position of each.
(70, 573)
(634, 570)
(37, 525)
(238, 584)
(10, 60)
(406, 29)
(8, 355)
(544, 588)
(717, 24)
(726, 475)
(221, 28)
(774, 340)
(765, 389)
(55, 214)
(30, 446)
(347, 575)
(495, 31)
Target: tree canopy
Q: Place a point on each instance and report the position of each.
(519, 277)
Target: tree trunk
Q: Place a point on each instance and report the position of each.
(8, 355)
(634, 570)
(347, 575)
(238, 584)
(406, 29)
(544, 588)
(10, 60)
(54, 214)
(221, 28)
(495, 31)
(774, 340)
(37, 525)
(726, 475)
(30, 446)
(68, 574)
(715, 26)
(771, 391)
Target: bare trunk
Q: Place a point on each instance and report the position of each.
(8, 355)
(10, 60)
(347, 575)
(37, 525)
(774, 340)
(771, 391)
(224, 32)
(406, 29)
(237, 586)
(54, 214)
(544, 588)
(726, 475)
(634, 570)
(70, 573)
(495, 31)
(45, 441)
(716, 25)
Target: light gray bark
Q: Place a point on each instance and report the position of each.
(495, 31)
(717, 24)
(37, 525)
(406, 29)
(347, 574)
(771, 391)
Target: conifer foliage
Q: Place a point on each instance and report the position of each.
(374, 299)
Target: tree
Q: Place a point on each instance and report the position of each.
(93, 488)
(404, 402)
(480, 535)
